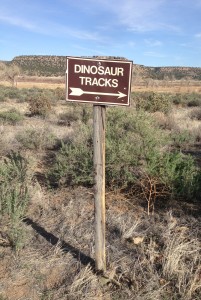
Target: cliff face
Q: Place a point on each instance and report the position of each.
(46, 65)
(41, 65)
(167, 73)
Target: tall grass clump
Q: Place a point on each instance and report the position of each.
(181, 264)
(73, 114)
(11, 117)
(60, 93)
(8, 93)
(36, 139)
(14, 194)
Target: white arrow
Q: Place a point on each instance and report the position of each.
(79, 92)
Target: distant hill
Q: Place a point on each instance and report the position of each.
(44, 65)
(167, 73)
(41, 65)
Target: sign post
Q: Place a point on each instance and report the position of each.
(99, 184)
(100, 82)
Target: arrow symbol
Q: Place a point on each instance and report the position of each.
(79, 92)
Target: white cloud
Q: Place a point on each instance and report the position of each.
(138, 16)
(50, 28)
(17, 22)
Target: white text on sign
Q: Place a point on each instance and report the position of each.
(100, 70)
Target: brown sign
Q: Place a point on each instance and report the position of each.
(99, 81)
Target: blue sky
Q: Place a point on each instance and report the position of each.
(149, 32)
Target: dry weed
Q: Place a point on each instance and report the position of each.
(85, 286)
(181, 263)
(196, 133)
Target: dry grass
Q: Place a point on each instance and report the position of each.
(59, 228)
(183, 118)
(167, 89)
(177, 86)
(162, 86)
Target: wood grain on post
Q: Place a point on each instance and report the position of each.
(99, 185)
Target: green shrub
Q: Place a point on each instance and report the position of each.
(14, 195)
(153, 102)
(182, 139)
(11, 117)
(134, 146)
(131, 138)
(177, 172)
(177, 99)
(187, 99)
(74, 161)
(22, 95)
(12, 93)
(193, 100)
(194, 103)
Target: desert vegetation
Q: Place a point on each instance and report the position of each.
(49, 72)
(153, 197)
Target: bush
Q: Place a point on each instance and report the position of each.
(69, 117)
(177, 172)
(14, 195)
(182, 139)
(129, 142)
(194, 103)
(131, 138)
(195, 114)
(12, 93)
(153, 102)
(135, 149)
(74, 161)
(59, 93)
(11, 117)
(177, 99)
(193, 100)
(36, 139)
(39, 104)
(189, 100)
(74, 114)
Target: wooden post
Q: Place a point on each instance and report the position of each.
(99, 185)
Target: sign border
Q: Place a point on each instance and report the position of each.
(96, 59)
